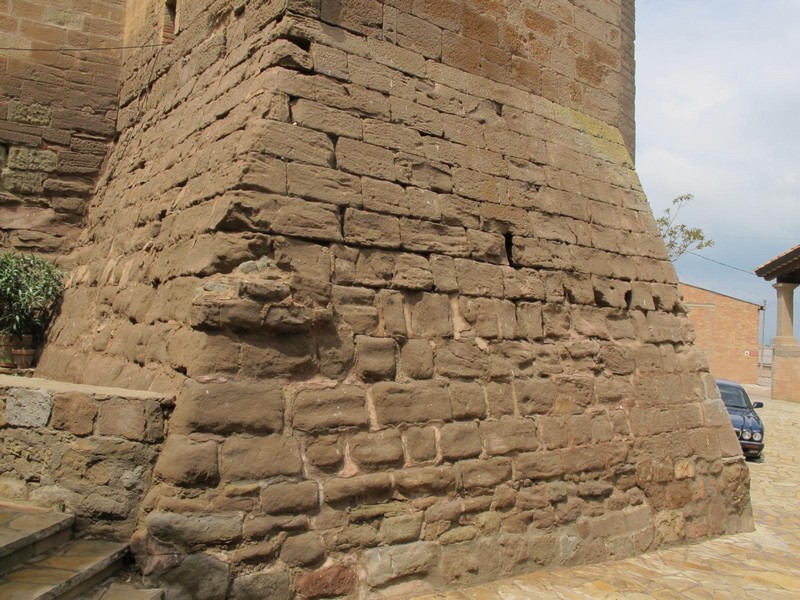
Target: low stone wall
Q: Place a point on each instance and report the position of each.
(87, 450)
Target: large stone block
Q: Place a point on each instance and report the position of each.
(254, 458)
(28, 407)
(323, 409)
(229, 407)
(414, 402)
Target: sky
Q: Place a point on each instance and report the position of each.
(718, 117)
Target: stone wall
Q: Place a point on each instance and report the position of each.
(395, 263)
(57, 116)
(87, 450)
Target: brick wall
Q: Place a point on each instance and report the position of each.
(727, 332)
(57, 116)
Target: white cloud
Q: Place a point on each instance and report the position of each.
(718, 116)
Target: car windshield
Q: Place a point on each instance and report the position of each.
(734, 397)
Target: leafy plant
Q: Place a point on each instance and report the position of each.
(679, 238)
(30, 290)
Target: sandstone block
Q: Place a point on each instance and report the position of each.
(321, 409)
(26, 159)
(401, 529)
(253, 458)
(425, 236)
(333, 581)
(392, 320)
(393, 562)
(362, 487)
(424, 174)
(131, 419)
(276, 585)
(486, 473)
(229, 407)
(281, 498)
(467, 400)
(194, 530)
(184, 462)
(414, 402)
(461, 359)
(460, 440)
(377, 450)
(479, 279)
(30, 114)
(430, 315)
(289, 141)
(371, 229)
(416, 359)
(318, 116)
(480, 315)
(325, 185)
(420, 443)
(365, 159)
(74, 412)
(426, 480)
(324, 452)
(539, 465)
(444, 273)
(200, 577)
(535, 396)
(303, 550)
(509, 436)
(375, 357)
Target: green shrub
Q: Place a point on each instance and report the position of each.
(30, 290)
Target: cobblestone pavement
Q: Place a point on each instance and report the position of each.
(763, 565)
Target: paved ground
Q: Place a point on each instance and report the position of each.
(763, 565)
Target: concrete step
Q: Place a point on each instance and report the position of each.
(65, 572)
(27, 532)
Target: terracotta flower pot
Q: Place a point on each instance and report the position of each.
(6, 359)
(23, 357)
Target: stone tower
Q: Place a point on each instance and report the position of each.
(393, 260)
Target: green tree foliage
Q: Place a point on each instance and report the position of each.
(679, 238)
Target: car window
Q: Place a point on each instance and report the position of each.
(734, 397)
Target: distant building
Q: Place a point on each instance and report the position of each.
(727, 332)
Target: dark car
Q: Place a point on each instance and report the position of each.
(746, 423)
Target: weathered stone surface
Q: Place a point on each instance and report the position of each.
(375, 357)
(290, 497)
(197, 577)
(259, 457)
(28, 407)
(131, 419)
(337, 580)
(192, 531)
(302, 550)
(392, 562)
(185, 462)
(415, 402)
(74, 412)
(267, 584)
(322, 409)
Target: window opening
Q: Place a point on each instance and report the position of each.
(170, 21)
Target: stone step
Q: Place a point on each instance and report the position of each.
(27, 532)
(65, 572)
(126, 591)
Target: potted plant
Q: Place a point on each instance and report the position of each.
(30, 290)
